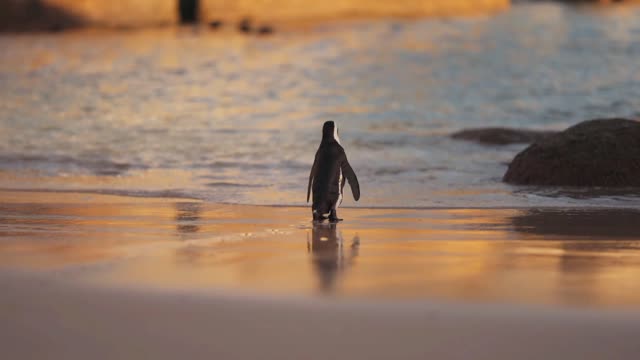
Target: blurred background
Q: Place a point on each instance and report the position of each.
(224, 100)
(140, 13)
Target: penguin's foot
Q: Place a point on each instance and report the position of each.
(333, 216)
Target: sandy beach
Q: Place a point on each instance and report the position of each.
(104, 276)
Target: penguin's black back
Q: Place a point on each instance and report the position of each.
(329, 161)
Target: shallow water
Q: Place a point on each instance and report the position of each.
(228, 118)
(558, 257)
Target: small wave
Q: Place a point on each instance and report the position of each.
(167, 194)
(391, 126)
(236, 164)
(579, 193)
(58, 163)
(295, 165)
(286, 164)
(391, 171)
(380, 144)
(177, 71)
(402, 170)
(231, 184)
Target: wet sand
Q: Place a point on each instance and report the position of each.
(556, 257)
(102, 276)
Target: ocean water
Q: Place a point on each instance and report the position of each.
(236, 119)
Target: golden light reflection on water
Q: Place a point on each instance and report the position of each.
(570, 257)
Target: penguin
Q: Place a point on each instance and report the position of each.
(328, 173)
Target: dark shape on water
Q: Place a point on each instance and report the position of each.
(601, 152)
(602, 2)
(215, 24)
(245, 25)
(36, 15)
(188, 11)
(592, 224)
(56, 27)
(327, 250)
(328, 174)
(265, 30)
(501, 136)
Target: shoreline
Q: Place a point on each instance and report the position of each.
(176, 196)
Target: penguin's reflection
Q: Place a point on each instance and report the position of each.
(328, 255)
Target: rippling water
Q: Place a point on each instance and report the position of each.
(229, 118)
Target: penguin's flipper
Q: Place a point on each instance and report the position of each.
(312, 175)
(352, 178)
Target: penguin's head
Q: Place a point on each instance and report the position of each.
(330, 131)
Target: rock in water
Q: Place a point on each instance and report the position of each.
(501, 136)
(601, 152)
